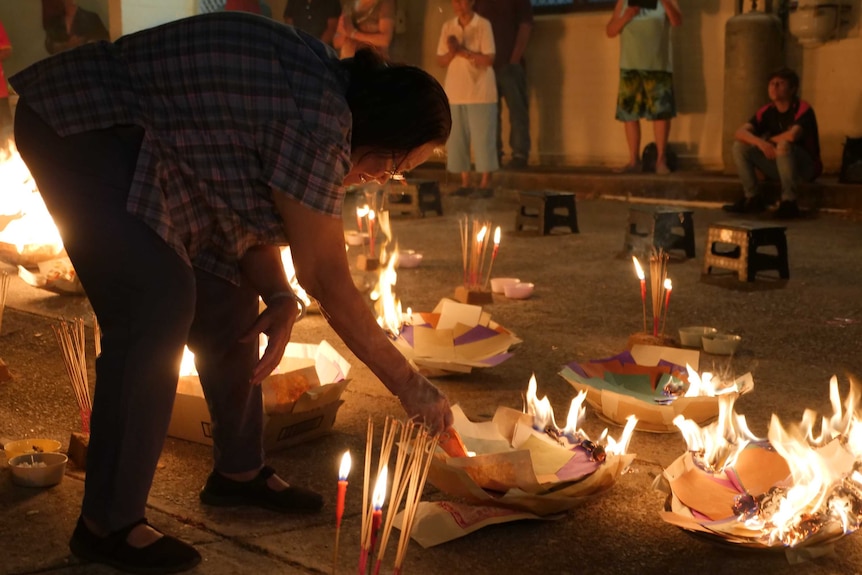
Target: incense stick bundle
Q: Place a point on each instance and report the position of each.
(4, 289)
(475, 239)
(390, 428)
(658, 272)
(425, 446)
(70, 337)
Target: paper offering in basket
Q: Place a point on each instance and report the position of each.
(523, 461)
(655, 384)
(795, 491)
(454, 338)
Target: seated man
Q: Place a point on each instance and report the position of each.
(780, 141)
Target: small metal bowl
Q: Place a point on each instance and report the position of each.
(693, 336)
(721, 343)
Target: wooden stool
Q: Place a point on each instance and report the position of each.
(414, 198)
(660, 227)
(745, 258)
(539, 209)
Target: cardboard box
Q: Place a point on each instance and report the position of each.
(300, 399)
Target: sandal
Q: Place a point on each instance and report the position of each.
(220, 491)
(166, 555)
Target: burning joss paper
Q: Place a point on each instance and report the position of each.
(795, 489)
(523, 461)
(651, 383)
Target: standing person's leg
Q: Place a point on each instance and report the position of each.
(483, 129)
(630, 108)
(224, 314)
(143, 295)
(458, 145)
(512, 83)
(660, 108)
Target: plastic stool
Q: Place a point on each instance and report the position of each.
(539, 209)
(660, 227)
(745, 257)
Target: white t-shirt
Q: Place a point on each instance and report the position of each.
(465, 82)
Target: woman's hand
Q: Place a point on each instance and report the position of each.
(421, 400)
(276, 322)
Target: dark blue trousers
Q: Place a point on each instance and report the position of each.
(149, 304)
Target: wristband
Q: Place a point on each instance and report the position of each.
(287, 294)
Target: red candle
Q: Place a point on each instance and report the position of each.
(668, 287)
(343, 472)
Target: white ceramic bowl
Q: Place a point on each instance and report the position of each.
(38, 469)
(409, 259)
(355, 238)
(22, 446)
(520, 290)
(721, 343)
(693, 336)
(498, 285)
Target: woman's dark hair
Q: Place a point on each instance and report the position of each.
(395, 107)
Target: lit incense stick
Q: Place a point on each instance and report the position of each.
(493, 255)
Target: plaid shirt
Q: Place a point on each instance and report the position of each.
(233, 105)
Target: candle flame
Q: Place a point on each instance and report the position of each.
(344, 469)
(668, 285)
(378, 498)
(371, 215)
(362, 212)
(480, 237)
(638, 269)
(497, 236)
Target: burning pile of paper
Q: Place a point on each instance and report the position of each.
(650, 383)
(454, 338)
(523, 461)
(795, 491)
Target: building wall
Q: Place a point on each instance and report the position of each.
(572, 71)
(573, 74)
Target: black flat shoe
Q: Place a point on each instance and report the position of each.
(220, 491)
(166, 555)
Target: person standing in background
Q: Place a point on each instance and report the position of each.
(365, 23)
(5, 108)
(512, 22)
(316, 17)
(466, 49)
(646, 74)
(67, 25)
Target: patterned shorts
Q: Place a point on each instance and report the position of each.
(645, 94)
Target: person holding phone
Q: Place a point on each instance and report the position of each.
(646, 73)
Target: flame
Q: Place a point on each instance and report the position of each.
(668, 285)
(638, 269)
(540, 409)
(378, 497)
(497, 236)
(362, 212)
(480, 237)
(187, 363)
(344, 468)
(543, 421)
(386, 303)
(709, 385)
(719, 444)
(290, 271)
(33, 228)
(823, 494)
